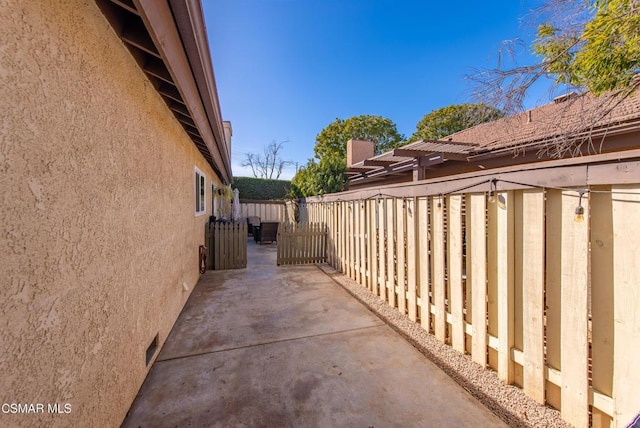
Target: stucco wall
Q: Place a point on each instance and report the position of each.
(97, 224)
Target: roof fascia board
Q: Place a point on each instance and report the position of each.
(189, 17)
(158, 18)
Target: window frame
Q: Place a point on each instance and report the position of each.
(200, 192)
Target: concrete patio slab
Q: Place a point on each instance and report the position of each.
(287, 346)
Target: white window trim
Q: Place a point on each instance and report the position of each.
(196, 191)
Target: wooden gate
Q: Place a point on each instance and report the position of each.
(227, 246)
(302, 243)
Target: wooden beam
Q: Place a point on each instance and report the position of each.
(410, 153)
(126, 4)
(431, 160)
(377, 162)
(135, 34)
(186, 120)
(157, 68)
(170, 91)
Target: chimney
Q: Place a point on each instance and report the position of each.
(228, 132)
(359, 150)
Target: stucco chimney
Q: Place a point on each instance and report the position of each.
(228, 132)
(359, 150)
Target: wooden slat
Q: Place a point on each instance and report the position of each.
(362, 244)
(437, 263)
(356, 243)
(505, 283)
(626, 276)
(382, 259)
(492, 280)
(477, 253)
(574, 310)
(373, 247)
(533, 293)
(391, 251)
(454, 260)
(423, 265)
(401, 213)
(553, 224)
(412, 255)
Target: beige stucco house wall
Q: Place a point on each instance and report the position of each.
(98, 233)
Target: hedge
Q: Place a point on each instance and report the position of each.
(261, 189)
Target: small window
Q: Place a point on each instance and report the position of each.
(201, 200)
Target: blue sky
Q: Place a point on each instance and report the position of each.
(287, 68)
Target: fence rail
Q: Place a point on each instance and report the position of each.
(301, 243)
(517, 279)
(227, 246)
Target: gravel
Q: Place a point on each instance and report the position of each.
(508, 402)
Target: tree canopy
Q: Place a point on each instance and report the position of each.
(332, 140)
(600, 53)
(583, 45)
(325, 173)
(456, 117)
(319, 178)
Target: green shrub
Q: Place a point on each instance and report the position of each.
(260, 189)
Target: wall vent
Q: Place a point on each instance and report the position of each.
(151, 350)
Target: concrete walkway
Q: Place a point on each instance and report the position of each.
(286, 346)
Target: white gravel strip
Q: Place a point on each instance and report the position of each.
(508, 402)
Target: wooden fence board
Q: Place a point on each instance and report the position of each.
(437, 263)
(553, 224)
(391, 251)
(477, 276)
(602, 303)
(423, 265)
(412, 255)
(505, 283)
(626, 275)
(356, 243)
(574, 310)
(401, 212)
(533, 293)
(382, 259)
(454, 260)
(373, 248)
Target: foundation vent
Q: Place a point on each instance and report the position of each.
(151, 350)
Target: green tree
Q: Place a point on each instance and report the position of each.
(456, 117)
(332, 140)
(600, 54)
(590, 45)
(319, 178)
(326, 172)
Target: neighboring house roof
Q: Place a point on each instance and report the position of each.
(571, 117)
(167, 38)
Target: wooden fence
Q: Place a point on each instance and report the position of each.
(227, 244)
(541, 285)
(266, 210)
(301, 243)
